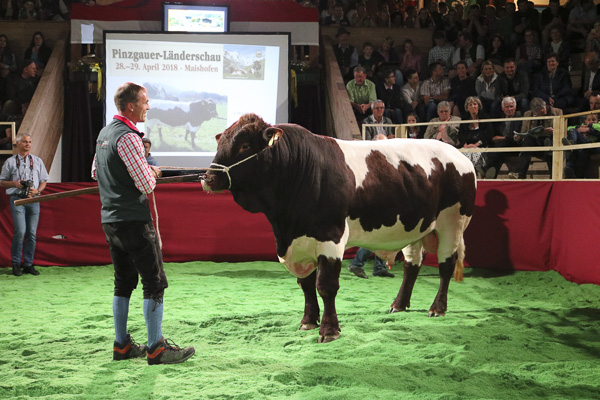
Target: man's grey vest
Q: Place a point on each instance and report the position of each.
(121, 200)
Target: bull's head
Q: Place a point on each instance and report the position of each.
(238, 149)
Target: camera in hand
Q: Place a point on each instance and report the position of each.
(27, 185)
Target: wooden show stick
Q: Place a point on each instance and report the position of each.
(94, 189)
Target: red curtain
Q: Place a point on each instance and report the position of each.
(516, 225)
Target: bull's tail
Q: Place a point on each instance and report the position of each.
(460, 266)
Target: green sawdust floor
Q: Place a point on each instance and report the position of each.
(526, 335)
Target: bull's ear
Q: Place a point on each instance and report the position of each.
(218, 136)
(272, 135)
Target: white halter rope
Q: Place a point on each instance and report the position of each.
(223, 168)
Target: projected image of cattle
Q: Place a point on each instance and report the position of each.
(180, 121)
(243, 62)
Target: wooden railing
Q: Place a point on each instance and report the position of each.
(557, 148)
(44, 117)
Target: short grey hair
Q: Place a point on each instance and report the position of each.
(20, 137)
(375, 102)
(443, 104)
(508, 99)
(537, 103)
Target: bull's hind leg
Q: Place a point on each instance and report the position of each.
(440, 304)
(311, 305)
(413, 257)
(328, 284)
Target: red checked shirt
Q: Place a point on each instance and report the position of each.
(131, 151)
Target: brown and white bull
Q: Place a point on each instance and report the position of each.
(323, 195)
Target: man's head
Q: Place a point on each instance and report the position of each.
(436, 69)
(147, 146)
(389, 77)
(510, 67)
(465, 40)
(367, 49)
(23, 141)
(552, 62)
(338, 10)
(595, 100)
(538, 107)
(132, 102)
(509, 106)
(378, 108)
(443, 110)
(439, 37)
(343, 36)
(29, 69)
(412, 76)
(360, 75)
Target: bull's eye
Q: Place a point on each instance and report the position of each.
(245, 147)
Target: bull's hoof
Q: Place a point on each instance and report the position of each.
(433, 313)
(328, 338)
(395, 310)
(307, 327)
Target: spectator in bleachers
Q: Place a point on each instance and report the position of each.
(397, 19)
(581, 19)
(435, 14)
(590, 76)
(529, 54)
(377, 117)
(361, 92)
(391, 95)
(461, 87)
(345, 54)
(411, 92)
(9, 9)
(38, 52)
(538, 109)
(592, 42)
(411, 59)
(506, 24)
(369, 59)
(490, 19)
(411, 17)
(496, 52)
(487, 88)
(515, 83)
(525, 18)
(390, 58)
(467, 51)
(28, 11)
(338, 17)
(383, 18)
(443, 9)
(587, 132)
(20, 90)
(476, 134)
(361, 18)
(413, 132)
(424, 20)
(558, 45)
(475, 25)
(553, 84)
(553, 16)
(7, 59)
(434, 90)
(452, 26)
(447, 133)
(53, 10)
(504, 136)
(442, 52)
(326, 11)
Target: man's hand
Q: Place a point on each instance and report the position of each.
(157, 171)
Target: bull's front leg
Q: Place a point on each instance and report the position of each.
(402, 301)
(440, 304)
(328, 284)
(311, 305)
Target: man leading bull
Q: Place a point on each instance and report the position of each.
(124, 179)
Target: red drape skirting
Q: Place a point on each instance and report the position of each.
(516, 225)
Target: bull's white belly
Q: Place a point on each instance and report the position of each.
(301, 257)
(391, 238)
